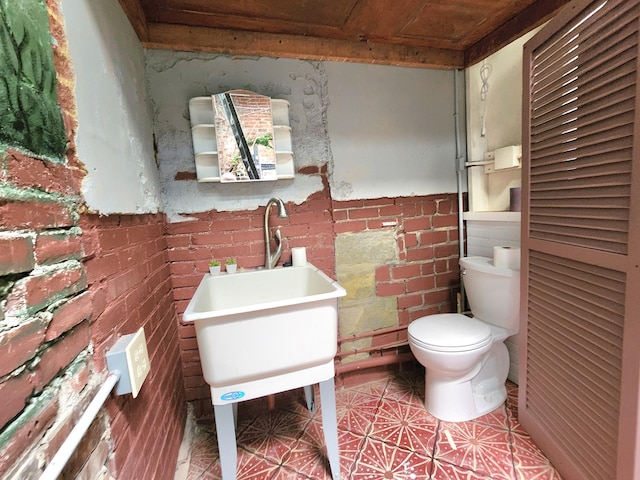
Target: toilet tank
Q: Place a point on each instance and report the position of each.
(493, 292)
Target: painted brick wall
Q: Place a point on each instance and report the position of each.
(129, 283)
(241, 235)
(70, 284)
(424, 277)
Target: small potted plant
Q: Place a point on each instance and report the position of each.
(231, 265)
(214, 267)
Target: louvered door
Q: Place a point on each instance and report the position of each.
(580, 229)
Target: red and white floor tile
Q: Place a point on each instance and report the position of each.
(384, 432)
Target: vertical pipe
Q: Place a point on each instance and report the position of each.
(459, 177)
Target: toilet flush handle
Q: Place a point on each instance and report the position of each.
(464, 271)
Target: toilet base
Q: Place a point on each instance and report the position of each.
(474, 395)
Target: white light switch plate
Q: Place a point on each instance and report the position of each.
(137, 361)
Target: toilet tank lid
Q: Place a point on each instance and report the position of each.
(449, 330)
(485, 265)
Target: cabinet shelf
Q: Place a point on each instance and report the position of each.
(205, 149)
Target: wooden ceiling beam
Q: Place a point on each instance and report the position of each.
(233, 42)
(133, 10)
(531, 17)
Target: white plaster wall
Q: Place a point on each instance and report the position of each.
(383, 131)
(175, 77)
(392, 131)
(503, 105)
(115, 135)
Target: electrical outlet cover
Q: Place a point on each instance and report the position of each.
(137, 361)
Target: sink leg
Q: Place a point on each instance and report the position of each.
(330, 425)
(309, 397)
(226, 432)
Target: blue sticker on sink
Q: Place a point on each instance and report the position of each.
(232, 396)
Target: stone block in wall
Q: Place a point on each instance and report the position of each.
(359, 256)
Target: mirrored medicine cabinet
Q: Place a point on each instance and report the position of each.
(241, 136)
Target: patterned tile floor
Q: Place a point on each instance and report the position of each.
(384, 432)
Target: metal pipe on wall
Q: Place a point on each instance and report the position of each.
(70, 444)
(460, 169)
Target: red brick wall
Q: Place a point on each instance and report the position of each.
(424, 279)
(129, 282)
(70, 284)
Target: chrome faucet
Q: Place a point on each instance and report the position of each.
(271, 259)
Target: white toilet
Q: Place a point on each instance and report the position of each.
(465, 358)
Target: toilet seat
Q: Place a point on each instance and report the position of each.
(449, 332)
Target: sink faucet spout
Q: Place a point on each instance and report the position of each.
(271, 258)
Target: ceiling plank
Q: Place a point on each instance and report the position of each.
(133, 10)
(203, 39)
(531, 17)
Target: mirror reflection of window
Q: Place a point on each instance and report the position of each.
(244, 134)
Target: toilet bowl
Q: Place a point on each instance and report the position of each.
(465, 359)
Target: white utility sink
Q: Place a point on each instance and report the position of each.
(266, 331)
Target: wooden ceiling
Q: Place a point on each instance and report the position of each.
(417, 33)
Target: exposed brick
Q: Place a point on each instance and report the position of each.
(60, 354)
(357, 214)
(429, 207)
(185, 176)
(339, 215)
(69, 315)
(408, 301)
(58, 247)
(14, 392)
(347, 227)
(420, 284)
(27, 172)
(389, 289)
(20, 344)
(434, 237)
(391, 211)
(383, 274)
(16, 254)
(211, 238)
(190, 226)
(236, 224)
(34, 215)
(441, 221)
(447, 279)
(445, 207)
(438, 297)
(36, 292)
(448, 250)
(37, 419)
(418, 254)
(347, 204)
(409, 210)
(405, 271)
(417, 224)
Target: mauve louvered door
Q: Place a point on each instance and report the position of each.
(580, 351)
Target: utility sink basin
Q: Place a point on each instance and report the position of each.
(262, 332)
(265, 331)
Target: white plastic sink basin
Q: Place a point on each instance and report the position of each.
(265, 331)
